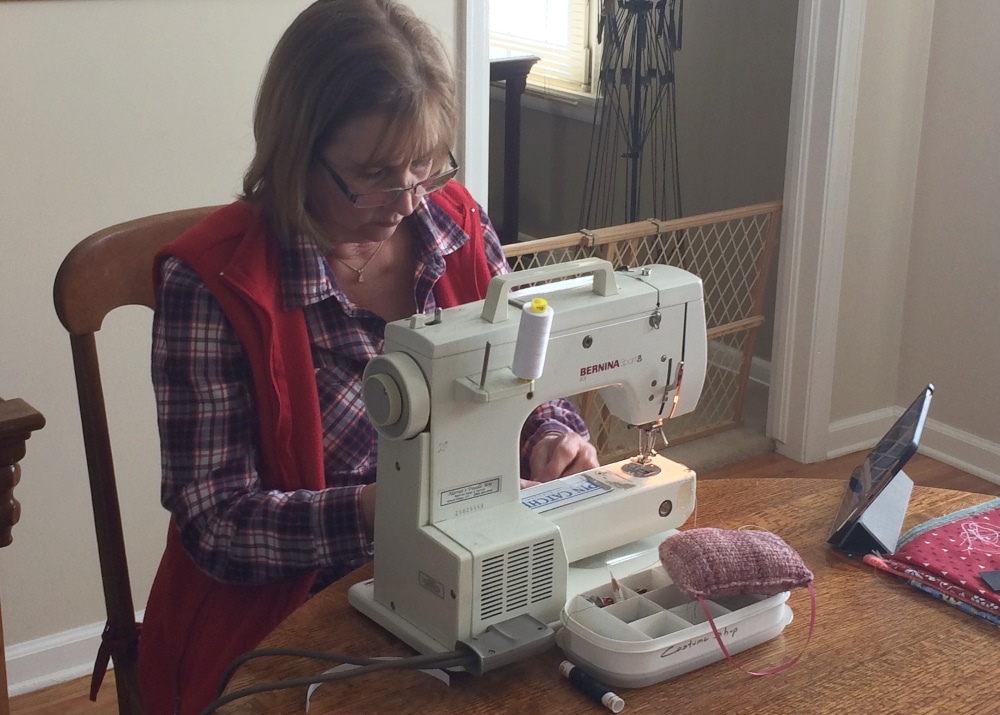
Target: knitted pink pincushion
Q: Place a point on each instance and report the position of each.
(714, 563)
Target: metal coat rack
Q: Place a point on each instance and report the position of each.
(632, 170)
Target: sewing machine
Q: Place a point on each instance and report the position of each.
(459, 546)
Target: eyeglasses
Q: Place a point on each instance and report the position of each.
(384, 198)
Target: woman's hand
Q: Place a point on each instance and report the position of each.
(558, 454)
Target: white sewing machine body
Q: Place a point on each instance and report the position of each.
(459, 546)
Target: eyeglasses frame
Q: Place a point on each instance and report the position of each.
(391, 194)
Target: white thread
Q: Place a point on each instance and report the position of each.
(532, 339)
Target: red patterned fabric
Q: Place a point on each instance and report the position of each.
(947, 555)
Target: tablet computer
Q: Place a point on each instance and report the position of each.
(881, 465)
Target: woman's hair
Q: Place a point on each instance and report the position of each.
(339, 60)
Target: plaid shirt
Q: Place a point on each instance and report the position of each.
(233, 528)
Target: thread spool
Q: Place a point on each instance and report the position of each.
(532, 339)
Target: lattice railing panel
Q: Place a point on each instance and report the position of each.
(730, 251)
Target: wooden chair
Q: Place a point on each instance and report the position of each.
(107, 270)
(18, 420)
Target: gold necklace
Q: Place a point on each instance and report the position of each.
(361, 271)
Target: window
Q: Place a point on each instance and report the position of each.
(557, 31)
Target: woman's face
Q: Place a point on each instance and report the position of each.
(349, 156)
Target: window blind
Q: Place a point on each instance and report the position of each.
(557, 31)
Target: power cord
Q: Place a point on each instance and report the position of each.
(414, 663)
(506, 642)
(500, 644)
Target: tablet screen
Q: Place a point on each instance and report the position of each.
(881, 465)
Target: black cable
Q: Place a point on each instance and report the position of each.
(450, 659)
(227, 674)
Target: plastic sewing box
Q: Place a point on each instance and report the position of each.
(654, 632)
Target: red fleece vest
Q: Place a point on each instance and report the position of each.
(195, 626)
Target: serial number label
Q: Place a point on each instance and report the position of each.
(470, 491)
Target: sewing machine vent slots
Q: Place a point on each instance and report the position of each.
(515, 580)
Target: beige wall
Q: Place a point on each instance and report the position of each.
(919, 290)
(951, 321)
(918, 286)
(109, 110)
(733, 91)
(733, 85)
(895, 51)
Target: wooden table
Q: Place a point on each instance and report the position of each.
(879, 646)
(17, 421)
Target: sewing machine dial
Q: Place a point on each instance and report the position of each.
(396, 396)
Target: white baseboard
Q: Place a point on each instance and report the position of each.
(760, 371)
(58, 658)
(965, 451)
(954, 447)
(860, 432)
(54, 659)
(729, 358)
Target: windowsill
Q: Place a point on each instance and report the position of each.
(577, 107)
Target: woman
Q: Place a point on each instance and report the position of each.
(267, 313)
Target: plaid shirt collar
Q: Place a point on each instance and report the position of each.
(306, 277)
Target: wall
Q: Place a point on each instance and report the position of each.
(733, 91)
(921, 258)
(916, 295)
(951, 325)
(895, 51)
(109, 110)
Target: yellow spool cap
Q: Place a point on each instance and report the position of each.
(538, 305)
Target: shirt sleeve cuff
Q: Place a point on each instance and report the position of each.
(344, 530)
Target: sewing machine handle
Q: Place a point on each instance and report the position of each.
(498, 293)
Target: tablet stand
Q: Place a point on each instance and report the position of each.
(877, 528)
